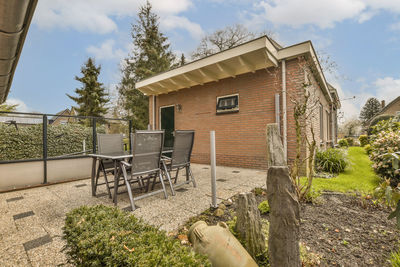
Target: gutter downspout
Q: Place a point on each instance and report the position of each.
(332, 127)
(284, 115)
(154, 112)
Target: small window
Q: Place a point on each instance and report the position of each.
(226, 104)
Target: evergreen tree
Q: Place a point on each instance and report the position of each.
(370, 109)
(151, 55)
(91, 97)
(183, 60)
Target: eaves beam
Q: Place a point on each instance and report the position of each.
(190, 78)
(269, 57)
(208, 75)
(249, 66)
(225, 69)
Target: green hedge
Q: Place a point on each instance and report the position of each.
(107, 236)
(26, 142)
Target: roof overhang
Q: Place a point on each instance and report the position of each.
(257, 54)
(335, 96)
(15, 18)
(248, 57)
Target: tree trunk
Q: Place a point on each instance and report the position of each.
(248, 224)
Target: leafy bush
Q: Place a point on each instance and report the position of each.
(26, 142)
(350, 141)
(388, 125)
(263, 207)
(331, 160)
(107, 236)
(363, 140)
(383, 147)
(368, 149)
(343, 143)
(379, 119)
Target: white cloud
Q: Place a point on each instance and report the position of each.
(97, 15)
(387, 88)
(395, 26)
(22, 107)
(322, 13)
(178, 22)
(106, 51)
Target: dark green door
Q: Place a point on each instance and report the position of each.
(168, 124)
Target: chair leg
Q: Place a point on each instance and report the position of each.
(169, 179)
(128, 187)
(191, 175)
(106, 180)
(116, 182)
(163, 185)
(97, 178)
(176, 176)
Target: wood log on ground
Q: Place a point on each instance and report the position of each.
(248, 224)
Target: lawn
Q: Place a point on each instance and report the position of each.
(358, 176)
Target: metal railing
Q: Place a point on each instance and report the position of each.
(45, 121)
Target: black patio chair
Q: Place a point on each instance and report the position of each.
(180, 159)
(145, 165)
(108, 144)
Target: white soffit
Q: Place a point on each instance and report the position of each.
(248, 57)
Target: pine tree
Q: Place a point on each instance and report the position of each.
(91, 97)
(151, 55)
(183, 60)
(370, 109)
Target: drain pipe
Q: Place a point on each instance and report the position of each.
(154, 112)
(284, 115)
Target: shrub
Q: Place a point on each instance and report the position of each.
(331, 160)
(26, 142)
(387, 125)
(343, 143)
(383, 146)
(379, 119)
(263, 207)
(363, 140)
(350, 141)
(107, 236)
(368, 149)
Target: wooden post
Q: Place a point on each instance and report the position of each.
(284, 220)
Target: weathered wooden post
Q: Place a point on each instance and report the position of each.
(248, 224)
(284, 220)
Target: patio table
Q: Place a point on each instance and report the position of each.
(116, 158)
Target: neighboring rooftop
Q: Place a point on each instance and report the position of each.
(15, 18)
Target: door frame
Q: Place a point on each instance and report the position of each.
(159, 115)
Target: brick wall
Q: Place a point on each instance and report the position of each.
(240, 137)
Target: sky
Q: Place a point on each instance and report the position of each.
(361, 36)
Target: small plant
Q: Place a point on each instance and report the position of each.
(350, 141)
(395, 259)
(258, 191)
(312, 196)
(368, 149)
(391, 197)
(331, 160)
(263, 207)
(343, 143)
(363, 140)
(345, 242)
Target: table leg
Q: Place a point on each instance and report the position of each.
(116, 182)
(93, 176)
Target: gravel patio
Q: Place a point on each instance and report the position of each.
(32, 219)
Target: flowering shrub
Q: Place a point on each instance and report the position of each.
(384, 144)
(343, 143)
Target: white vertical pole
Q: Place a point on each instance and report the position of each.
(84, 145)
(213, 170)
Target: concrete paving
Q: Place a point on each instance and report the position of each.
(31, 220)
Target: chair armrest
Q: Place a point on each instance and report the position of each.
(165, 158)
(126, 164)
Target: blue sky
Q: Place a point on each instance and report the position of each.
(361, 36)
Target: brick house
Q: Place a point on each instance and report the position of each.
(237, 92)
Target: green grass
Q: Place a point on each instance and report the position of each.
(358, 176)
